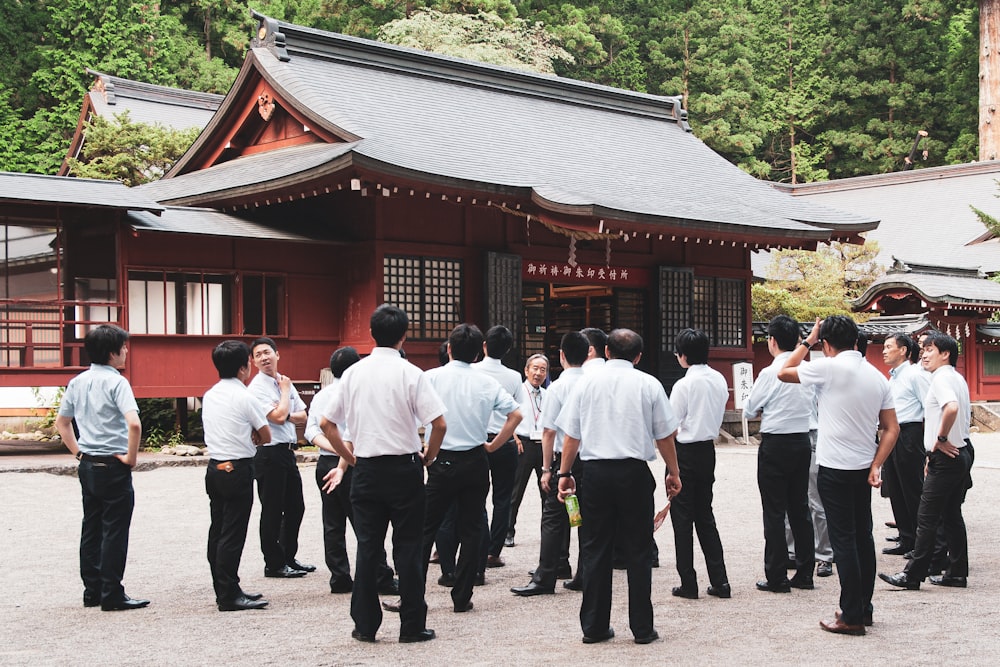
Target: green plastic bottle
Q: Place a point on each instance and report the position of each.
(573, 510)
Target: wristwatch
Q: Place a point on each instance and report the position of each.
(806, 344)
(560, 475)
(942, 438)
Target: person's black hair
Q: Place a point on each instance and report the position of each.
(104, 340)
(230, 357)
(499, 340)
(840, 332)
(574, 346)
(443, 357)
(907, 343)
(693, 344)
(263, 340)
(624, 344)
(388, 324)
(785, 332)
(862, 343)
(598, 340)
(342, 359)
(466, 342)
(944, 343)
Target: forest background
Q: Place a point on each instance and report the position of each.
(790, 91)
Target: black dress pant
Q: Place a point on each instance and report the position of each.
(503, 470)
(230, 500)
(941, 504)
(279, 487)
(783, 480)
(553, 552)
(528, 461)
(691, 510)
(459, 479)
(847, 498)
(618, 506)
(905, 469)
(337, 511)
(108, 500)
(389, 489)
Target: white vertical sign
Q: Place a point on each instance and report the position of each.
(742, 384)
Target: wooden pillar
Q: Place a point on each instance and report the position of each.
(989, 79)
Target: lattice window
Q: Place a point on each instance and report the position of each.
(675, 305)
(714, 305)
(429, 289)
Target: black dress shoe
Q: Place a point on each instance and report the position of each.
(509, 540)
(804, 583)
(897, 550)
(91, 600)
(480, 579)
(890, 524)
(363, 638)
(447, 580)
(824, 569)
(573, 585)
(124, 605)
(242, 603)
(390, 587)
(296, 565)
(908, 555)
(392, 606)
(532, 589)
(901, 580)
(284, 572)
(723, 591)
(462, 608)
(892, 538)
(251, 596)
(341, 586)
(681, 592)
(951, 582)
(597, 639)
(648, 639)
(564, 572)
(780, 587)
(422, 636)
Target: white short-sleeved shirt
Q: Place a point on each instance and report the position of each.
(851, 393)
(230, 414)
(100, 398)
(908, 384)
(316, 408)
(787, 407)
(947, 386)
(617, 412)
(699, 402)
(266, 391)
(471, 399)
(509, 379)
(555, 398)
(532, 407)
(381, 400)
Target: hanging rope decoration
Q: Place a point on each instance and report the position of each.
(572, 252)
(607, 253)
(574, 235)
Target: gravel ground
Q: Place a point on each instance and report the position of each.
(42, 620)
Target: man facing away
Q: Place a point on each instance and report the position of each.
(333, 477)
(279, 484)
(614, 419)
(554, 549)
(106, 413)
(234, 426)
(783, 461)
(947, 414)
(460, 476)
(904, 469)
(380, 401)
(699, 401)
(854, 401)
(503, 461)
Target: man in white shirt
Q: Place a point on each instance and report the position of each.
(947, 414)
(903, 474)
(380, 401)
(699, 401)
(460, 475)
(616, 419)
(279, 484)
(783, 462)
(234, 426)
(503, 461)
(854, 401)
(529, 432)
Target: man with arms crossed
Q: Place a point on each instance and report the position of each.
(854, 401)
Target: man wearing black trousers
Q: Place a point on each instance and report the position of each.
(234, 425)
(380, 401)
(529, 432)
(616, 419)
(279, 484)
(783, 462)
(460, 475)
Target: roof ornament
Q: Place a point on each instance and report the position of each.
(678, 111)
(265, 106)
(269, 37)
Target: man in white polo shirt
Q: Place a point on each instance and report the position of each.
(854, 403)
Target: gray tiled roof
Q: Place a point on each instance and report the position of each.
(875, 327)
(188, 220)
(941, 285)
(148, 103)
(574, 147)
(84, 192)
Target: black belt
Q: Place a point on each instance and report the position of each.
(284, 445)
(100, 459)
(236, 462)
(389, 458)
(457, 454)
